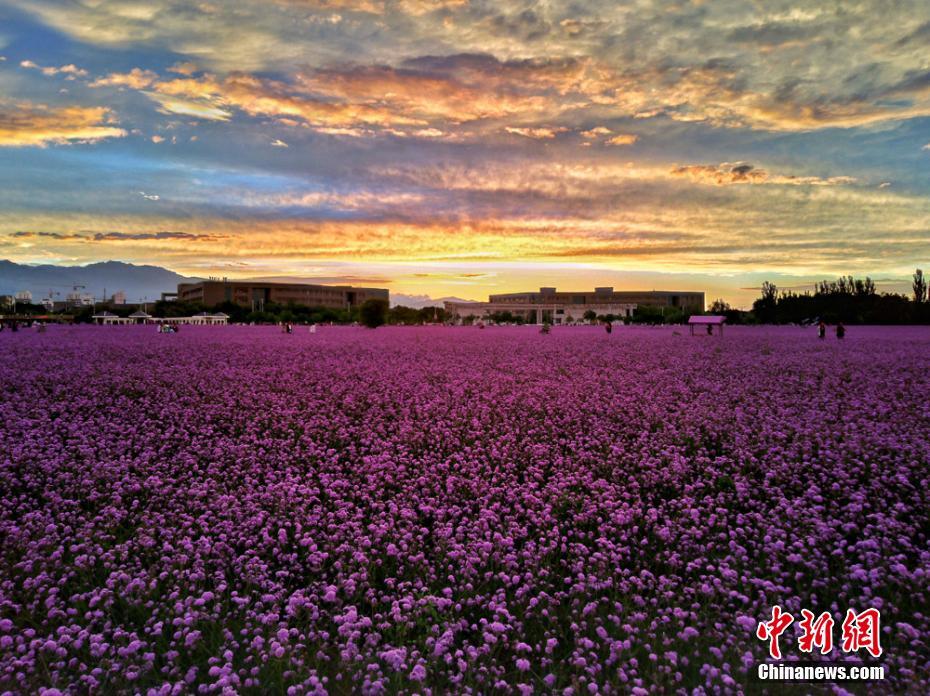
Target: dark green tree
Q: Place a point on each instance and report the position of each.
(920, 287)
(373, 313)
(765, 307)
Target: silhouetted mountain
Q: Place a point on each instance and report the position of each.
(148, 282)
(138, 282)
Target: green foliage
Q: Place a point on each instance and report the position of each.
(81, 315)
(407, 316)
(506, 317)
(847, 299)
(165, 308)
(24, 309)
(766, 306)
(919, 286)
(644, 314)
(373, 313)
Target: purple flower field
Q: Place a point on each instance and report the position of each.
(439, 510)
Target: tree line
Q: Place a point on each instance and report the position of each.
(847, 299)
(373, 312)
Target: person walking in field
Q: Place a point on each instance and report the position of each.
(821, 330)
(840, 331)
(608, 327)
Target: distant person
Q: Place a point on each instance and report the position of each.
(821, 330)
(710, 329)
(840, 331)
(313, 328)
(608, 327)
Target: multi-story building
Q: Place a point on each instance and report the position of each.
(256, 295)
(550, 305)
(24, 296)
(79, 299)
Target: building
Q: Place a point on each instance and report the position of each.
(202, 319)
(79, 299)
(550, 305)
(24, 296)
(108, 318)
(119, 298)
(256, 295)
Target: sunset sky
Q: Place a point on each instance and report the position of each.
(461, 147)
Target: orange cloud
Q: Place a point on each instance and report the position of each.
(135, 79)
(536, 133)
(211, 98)
(596, 132)
(622, 139)
(184, 68)
(23, 125)
(426, 97)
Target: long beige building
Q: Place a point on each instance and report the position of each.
(255, 294)
(555, 307)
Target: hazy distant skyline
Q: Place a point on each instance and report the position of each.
(454, 147)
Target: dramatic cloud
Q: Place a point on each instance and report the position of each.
(793, 69)
(622, 139)
(596, 132)
(91, 236)
(538, 133)
(23, 125)
(655, 134)
(143, 236)
(741, 173)
(135, 79)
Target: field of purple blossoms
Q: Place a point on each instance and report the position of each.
(434, 510)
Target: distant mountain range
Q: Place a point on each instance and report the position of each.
(139, 282)
(98, 279)
(420, 301)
